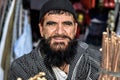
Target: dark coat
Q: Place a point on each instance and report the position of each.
(84, 66)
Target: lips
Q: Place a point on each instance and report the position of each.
(58, 38)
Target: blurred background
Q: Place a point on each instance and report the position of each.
(19, 32)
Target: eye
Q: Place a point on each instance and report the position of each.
(68, 23)
(50, 23)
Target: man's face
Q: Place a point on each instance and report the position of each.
(60, 29)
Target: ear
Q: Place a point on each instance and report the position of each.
(76, 25)
(40, 29)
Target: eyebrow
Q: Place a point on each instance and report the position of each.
(50, 22)
(64, 22)
(68, 22)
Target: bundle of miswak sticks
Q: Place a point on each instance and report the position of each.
(39, 76)
(110, 67)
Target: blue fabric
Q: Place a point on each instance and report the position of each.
(24, 43)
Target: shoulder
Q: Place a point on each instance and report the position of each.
(86, 63)
(90, 51)
(25, 59)
(18, 68)
(20, 62)
(24, 66)
(93, 55)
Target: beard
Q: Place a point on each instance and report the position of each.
(57, 57)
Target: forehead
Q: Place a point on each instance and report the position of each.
(59, 12)
(55, 17)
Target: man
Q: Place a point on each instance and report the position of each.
(59, 54)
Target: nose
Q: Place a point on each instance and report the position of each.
(60, 29)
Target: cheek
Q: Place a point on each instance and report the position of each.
(72, 33)
(47, 33)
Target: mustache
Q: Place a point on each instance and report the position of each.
(62, 36)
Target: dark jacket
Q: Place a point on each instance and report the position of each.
(84, 66)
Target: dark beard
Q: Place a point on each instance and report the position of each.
(58, 58)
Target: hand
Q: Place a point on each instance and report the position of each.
(39, 76)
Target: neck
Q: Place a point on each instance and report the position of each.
(65, 68)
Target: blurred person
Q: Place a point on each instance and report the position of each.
(98, 24)
(59, 54)
(34, 6)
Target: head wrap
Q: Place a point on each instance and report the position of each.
(57, 5)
